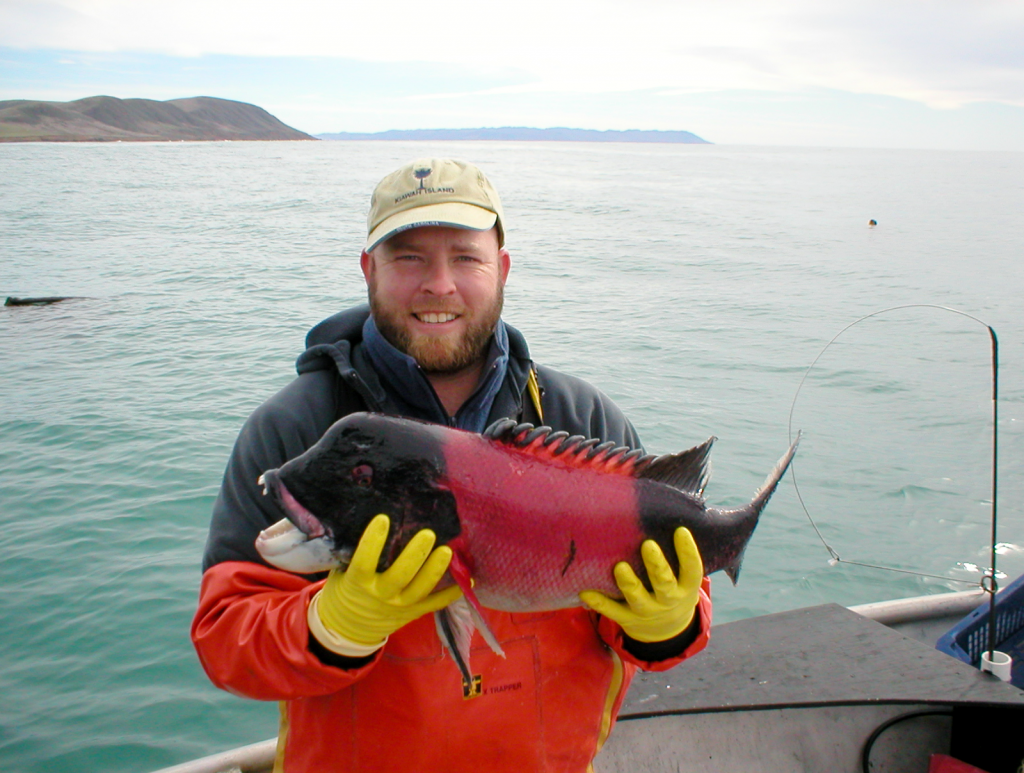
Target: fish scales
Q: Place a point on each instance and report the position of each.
(538, 530)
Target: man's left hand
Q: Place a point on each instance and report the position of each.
(665, 611)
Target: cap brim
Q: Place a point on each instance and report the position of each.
(453, 214)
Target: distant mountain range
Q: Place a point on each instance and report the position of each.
(523, 133)
(107, 119)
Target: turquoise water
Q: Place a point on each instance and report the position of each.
(694, 284)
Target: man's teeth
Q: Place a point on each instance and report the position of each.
(434, 318)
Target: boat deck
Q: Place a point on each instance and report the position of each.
(803, 690)
(816, 656)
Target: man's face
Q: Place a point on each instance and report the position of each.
(436, 293)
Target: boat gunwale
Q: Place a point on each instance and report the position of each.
(260, 756)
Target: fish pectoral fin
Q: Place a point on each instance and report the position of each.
(461, 575)
(455, 630)
(485, 631)
(455, 625)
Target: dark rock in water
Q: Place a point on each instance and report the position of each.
(44, 301)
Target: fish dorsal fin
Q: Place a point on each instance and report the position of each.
(688, 470)
(573, 450)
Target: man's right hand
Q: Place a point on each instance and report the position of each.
(359, 607)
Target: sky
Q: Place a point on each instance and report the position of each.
(829, 73)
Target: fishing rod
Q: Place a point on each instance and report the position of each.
(989, 582)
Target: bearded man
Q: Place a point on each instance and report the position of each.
(353, 656)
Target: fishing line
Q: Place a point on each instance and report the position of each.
(988, 581)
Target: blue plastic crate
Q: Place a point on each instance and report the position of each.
(966, 640)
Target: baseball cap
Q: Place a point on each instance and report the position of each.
(433, 191)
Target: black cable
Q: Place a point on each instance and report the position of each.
(865, 758)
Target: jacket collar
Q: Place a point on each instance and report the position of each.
(408, 384)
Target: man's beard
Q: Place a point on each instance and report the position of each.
(439, 354)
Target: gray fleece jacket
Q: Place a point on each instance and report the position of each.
(336, 379)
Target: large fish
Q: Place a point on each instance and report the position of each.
(533, 516)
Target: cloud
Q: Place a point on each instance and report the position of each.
(904, 73)
(936, 52)
(942, 52)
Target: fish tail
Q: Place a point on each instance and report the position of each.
(752, 512)
(772, 481)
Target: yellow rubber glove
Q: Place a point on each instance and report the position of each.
(361, 606)
(668, 611)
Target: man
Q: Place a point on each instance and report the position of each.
(354, 658)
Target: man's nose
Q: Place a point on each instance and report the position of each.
(439, 278)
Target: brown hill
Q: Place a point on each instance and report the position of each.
(105, 119)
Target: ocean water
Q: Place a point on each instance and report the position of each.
(693, 284)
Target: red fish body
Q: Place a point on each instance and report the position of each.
(538, 528)
(533, 516)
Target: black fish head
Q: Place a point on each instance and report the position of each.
(364, 465)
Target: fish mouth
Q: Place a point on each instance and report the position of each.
(284, 546)
(298, 543)
(302, 518)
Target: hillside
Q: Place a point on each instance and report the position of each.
(523, 133)
(107, 119)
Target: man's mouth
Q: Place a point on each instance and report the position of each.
(435, 317)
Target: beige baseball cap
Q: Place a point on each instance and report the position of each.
(433, 191)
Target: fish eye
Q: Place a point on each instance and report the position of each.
(362, 474)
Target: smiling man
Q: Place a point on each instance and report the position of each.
(353, 656)
(436, 295)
